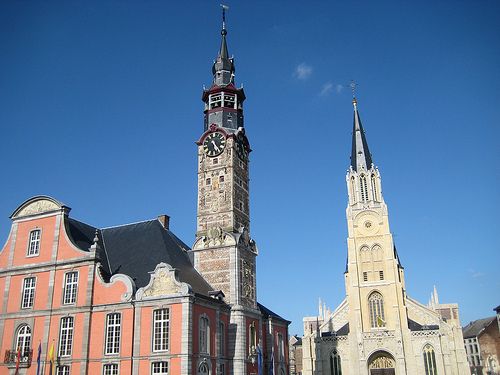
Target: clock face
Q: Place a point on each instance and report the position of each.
(214, 144)
(241, 150)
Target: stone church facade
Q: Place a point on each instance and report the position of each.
(378, 329)
(135, 299)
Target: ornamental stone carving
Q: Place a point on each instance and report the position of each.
(163, 283)
(36, 206)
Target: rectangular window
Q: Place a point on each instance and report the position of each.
(215, 161)
(204, 335)
(66, 336)
(208, 181)
(365, 276)
(221, 178)
(160, 333)
(229, 101)
(70, 287)
(29, 284)
(381, 275)
(222, 369)
(113, 331)
(34, 242)
(62, 370)
(159, 368)
(110, 369)
(220, 339)
(215, 101)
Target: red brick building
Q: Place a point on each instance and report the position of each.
(134, 299)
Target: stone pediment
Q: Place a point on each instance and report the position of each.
(163, 283)
(36, 206)
(420, 313)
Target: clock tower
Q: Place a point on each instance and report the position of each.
(223, 251)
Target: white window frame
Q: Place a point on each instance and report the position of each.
(34, 241)
(28, 294)
(159, 368)
(23, 339)
(110, 369)
(63, 370)
(113, 333)
(376, 308)
(70, 289)
(66, 331)
(161, 330)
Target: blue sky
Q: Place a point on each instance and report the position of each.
(100, 108)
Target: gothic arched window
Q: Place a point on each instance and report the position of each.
(335, 366)
(203, 369)
(430, 360)
(364, 188)
(23, 342)
(376, 305)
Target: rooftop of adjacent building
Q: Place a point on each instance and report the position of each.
(476, 327)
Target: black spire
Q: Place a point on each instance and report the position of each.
(223, 69)
(360, 156)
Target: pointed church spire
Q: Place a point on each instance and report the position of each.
(360, 155)
(223, 69)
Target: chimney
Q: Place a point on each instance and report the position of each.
(164, 221)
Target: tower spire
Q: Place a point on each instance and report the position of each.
(223, 68)
(360, 155)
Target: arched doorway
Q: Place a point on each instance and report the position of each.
(381, 363)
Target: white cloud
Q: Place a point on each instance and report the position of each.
(339, 88)
(303, 71)
(326, 89)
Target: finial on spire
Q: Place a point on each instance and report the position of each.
(353, 89)
(224, 8)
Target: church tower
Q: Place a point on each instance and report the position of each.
(223, 252)
(374, 277)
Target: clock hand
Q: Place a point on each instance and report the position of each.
(215, 146)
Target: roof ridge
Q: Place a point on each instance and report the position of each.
(124, 225)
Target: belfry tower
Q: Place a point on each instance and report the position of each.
(223, 252)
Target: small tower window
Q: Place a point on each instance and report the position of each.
(215, 160)
(229, 101)
(374, 187)
(381, 275)
(215, 101)
(364, 188)
(221, 178)
(208, 181)
(365, 276)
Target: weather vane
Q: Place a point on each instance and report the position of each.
(353, 89)
(224, 8)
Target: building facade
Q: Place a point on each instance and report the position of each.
(378, 329)
(482, 344)
(134, 299)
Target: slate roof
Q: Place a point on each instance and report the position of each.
(474, 328)
(343, 331)
(414, 326)
(360, 154)
(135, 250)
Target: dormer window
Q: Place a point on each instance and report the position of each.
(215, 101)
(229, 101)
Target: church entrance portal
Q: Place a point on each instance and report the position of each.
(382, 363)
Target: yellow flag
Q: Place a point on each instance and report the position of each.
(380, 321)
(51, 359)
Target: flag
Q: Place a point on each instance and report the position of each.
(271, 366)
(38, 359)
(51, 359)
(259, 359)
(380, 321)
(18, 360)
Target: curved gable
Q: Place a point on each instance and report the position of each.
(37, 205)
